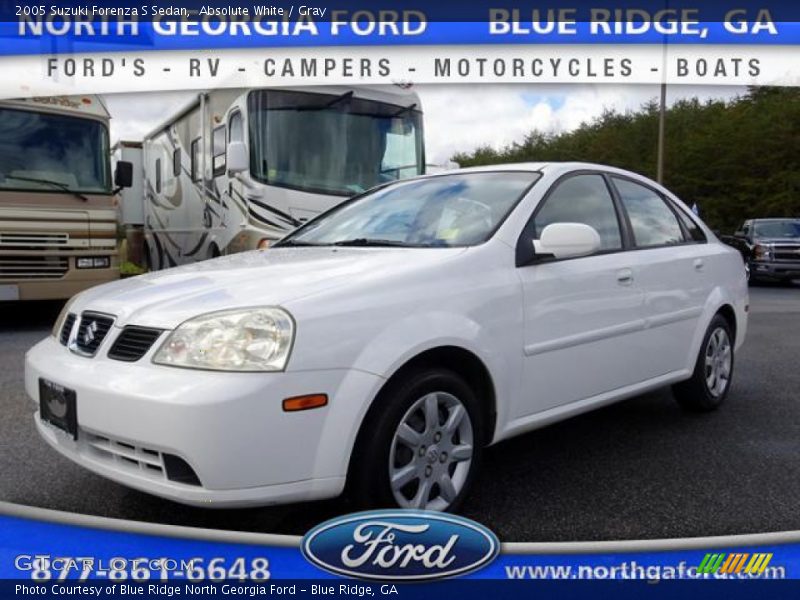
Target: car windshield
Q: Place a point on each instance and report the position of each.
(443, 211)
(51, 152)
(332, 144)
(789, 228)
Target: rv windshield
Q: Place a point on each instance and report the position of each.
(45, 152)
(332, 144)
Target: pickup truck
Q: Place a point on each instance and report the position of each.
(770, 248)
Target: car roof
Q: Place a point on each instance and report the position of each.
(541, 167)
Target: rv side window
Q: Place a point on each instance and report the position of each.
(158, 176)
(195, 166)
(176, 162)
(218, 149)
(236, 128)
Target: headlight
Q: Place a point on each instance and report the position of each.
(762, 252)
(251, 339)
(61, 316)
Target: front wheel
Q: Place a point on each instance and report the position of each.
(420, 445)
(711, 380)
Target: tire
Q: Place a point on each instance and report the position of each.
(398, 441)
(713, 372)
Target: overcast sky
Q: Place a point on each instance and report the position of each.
(457, 117)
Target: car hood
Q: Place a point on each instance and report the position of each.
(259, 278)
(780, 241)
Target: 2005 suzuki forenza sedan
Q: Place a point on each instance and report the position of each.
(381, 346)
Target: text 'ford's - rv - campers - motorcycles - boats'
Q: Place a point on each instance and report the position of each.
(237, 169)
(58, 215)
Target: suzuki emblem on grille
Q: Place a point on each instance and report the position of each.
(89, 334)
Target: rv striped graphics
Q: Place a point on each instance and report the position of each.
(307, 149)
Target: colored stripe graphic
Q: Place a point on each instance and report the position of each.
(734, 563)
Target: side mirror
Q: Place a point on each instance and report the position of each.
(568, 240)
(123, 174)
(238, 159)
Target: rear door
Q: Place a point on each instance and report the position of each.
(674, 266)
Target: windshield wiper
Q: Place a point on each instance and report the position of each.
(295, 243)
(57, 184)
(371, 242)
(343, 98)
(346, 97)
(404, 110)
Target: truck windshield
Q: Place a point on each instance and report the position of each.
(332, 144)
(444, 211)
(789, 228)
(45, 152)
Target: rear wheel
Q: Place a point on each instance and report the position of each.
(711, 380)
(420, 446)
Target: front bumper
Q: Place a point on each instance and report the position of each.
(229, 428)
(774, 270)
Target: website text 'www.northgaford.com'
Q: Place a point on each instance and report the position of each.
(632, 570)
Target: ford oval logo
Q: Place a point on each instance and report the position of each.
(400, 545)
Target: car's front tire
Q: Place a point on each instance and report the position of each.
(711, 380)
(420, 445)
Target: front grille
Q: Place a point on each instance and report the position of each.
(66, 329)
(133, 343)
(35, 240)
(145, 461)
(92, 330)
(33, 267)
(788, 253)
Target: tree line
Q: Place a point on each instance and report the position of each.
(735, 159)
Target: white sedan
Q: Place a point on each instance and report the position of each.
(380, 347)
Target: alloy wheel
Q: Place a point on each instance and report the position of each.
(718, 362)
(431, 453)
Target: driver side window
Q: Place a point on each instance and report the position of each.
(582, 199)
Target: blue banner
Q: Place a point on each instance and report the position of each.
(70, 27)
(46, 552)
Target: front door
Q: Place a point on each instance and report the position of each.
(583, 316)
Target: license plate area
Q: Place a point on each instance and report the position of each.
(58, 406)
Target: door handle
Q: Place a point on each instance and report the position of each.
(625, 276)
(698, 264)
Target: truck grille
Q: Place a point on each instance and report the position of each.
(33, 267)
(133, 343)
(788, 253)
(92, 330)
(35, 240)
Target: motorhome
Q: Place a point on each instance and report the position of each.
(58, 221)
(239, 168)
(131, 204)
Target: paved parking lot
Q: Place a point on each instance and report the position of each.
(639, 469)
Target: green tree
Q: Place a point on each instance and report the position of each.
(737, 159)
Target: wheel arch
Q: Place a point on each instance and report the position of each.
(461, 361)
(729, 314)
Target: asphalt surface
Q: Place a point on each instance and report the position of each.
(641, 469)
